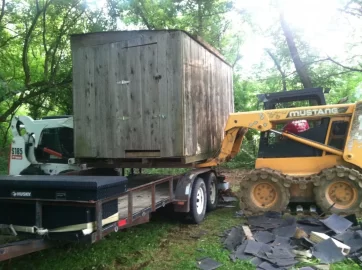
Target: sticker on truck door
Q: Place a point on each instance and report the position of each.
(16, 153)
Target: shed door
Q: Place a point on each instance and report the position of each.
(140, 97)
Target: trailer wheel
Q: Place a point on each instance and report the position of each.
(198, 201)
(212, 194)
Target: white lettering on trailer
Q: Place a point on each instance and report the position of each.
(21, 194)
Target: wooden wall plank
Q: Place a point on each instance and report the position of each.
(135, 94)
(107, 91)
(123, 106)
(113, 108)
(188, 137)
(164, 93)
(89, 100)
(208, 104)
(78, 96)
(100, 102)
(175, 79)
(151, 97)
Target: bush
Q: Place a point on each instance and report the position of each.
(4, 158)
(245, 159)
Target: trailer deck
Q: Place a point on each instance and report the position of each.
(146, 193)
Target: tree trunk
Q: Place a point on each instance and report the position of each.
(199, 19)
(299, 65)
(277, 64)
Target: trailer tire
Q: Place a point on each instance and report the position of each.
(198, 201)
(212, 194)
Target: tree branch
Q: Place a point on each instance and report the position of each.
(27, 40)
(139, 12)
(63, 29)
(5, 137)
(8, 40)
(277, 64)
(346, 67)
(24, 99)
(2, 13)
(45, 46)
(200, 27)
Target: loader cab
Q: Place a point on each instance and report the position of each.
(60, 140)
(52, 138)
(273, 146)
(297, 98)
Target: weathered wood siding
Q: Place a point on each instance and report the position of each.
(207, 86)
(154, 94)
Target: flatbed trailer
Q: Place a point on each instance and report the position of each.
(145, 194)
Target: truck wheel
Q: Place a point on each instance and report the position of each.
(212, 194)
(344, 194)
(198, 201)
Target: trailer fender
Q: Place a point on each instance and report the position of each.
(184, 188)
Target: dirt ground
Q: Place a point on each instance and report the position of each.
(234, 176)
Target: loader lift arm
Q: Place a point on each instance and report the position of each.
(239, 123)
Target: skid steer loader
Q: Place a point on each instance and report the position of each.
(42, 146)
(321, 164)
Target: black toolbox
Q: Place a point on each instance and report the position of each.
(65, 200)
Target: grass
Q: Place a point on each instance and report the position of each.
(163, 244)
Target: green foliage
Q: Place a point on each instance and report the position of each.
(4, 154)
(35, 54)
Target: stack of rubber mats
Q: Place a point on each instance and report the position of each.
(278, 244)
(19, 194)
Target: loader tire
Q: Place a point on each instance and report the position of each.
(263, 191)
(339, 186)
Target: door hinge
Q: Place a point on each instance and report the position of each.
(123, 82)
(159, 116)
(124, 118)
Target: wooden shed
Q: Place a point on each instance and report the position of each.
(149, 95)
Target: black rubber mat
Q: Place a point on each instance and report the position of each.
(287, 228)
(256, 261)
(337, 223)
(355, 241)
(267, 266)
(264, 237)
(327, 252)
(240, 252)
(208, 264)
(281, 241)
(234, 238)
(265, 221)
(343, 237)
(352, 218)
(253, 247)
